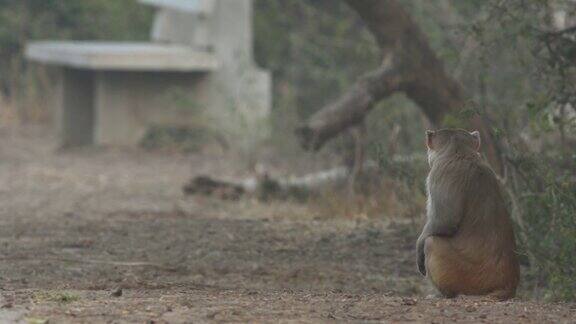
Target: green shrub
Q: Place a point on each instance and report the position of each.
(546, 201)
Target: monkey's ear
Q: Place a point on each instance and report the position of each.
(429, 135)
(476, 135)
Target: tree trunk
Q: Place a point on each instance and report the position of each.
(410, 66)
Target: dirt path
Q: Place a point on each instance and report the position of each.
(105, 236)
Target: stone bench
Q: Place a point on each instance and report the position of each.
(199, 59)
(111, 56)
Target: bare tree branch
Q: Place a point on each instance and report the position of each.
(350, 109)
(410, 66)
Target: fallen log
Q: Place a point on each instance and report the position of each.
(266, 187)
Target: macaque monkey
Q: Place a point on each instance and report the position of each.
(467, 245)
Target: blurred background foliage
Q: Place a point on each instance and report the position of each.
(23, 20)
(515, 64)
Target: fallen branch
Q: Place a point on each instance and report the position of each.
(266, 187)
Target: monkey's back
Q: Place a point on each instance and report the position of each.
(480, 258)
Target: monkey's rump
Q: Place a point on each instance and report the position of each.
(456, 271)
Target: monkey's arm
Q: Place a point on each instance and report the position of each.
(444, 214)
(445, 209)
(421, 258)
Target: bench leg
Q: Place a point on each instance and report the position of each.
(121, 102)
(75, 107)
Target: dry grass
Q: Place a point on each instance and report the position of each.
(18, 112)
(8, 113)
(387, 198)
(30, 96)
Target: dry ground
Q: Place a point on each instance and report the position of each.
(105, 236)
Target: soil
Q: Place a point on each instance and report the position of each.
(106, 236)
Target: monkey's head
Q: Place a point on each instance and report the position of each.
(451, 141)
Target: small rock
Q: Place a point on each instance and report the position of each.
(408, 301)
(117, 293)
(470, 309)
